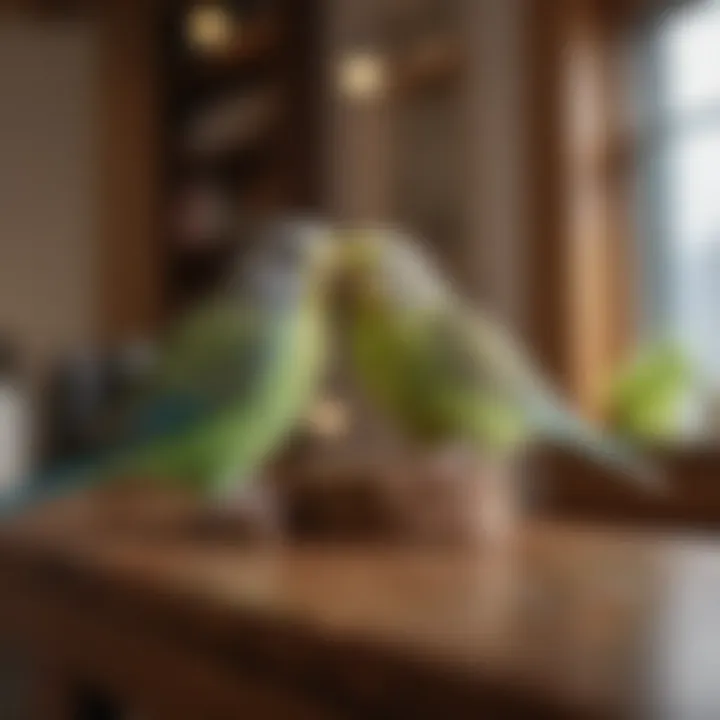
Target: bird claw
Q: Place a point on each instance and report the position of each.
(251, 505)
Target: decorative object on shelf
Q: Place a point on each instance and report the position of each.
(361, 73)
(210, 27)
(361, 76)
(225, 33)
(203, 216)
(232, 123)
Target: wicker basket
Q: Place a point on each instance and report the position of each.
(428, 498)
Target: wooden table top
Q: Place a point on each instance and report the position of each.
(565, 622)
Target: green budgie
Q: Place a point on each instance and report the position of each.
(233, 379)
(444, 372)
(645, 400)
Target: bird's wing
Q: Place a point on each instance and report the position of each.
(460, 383)
(211, 360)
(546, 413)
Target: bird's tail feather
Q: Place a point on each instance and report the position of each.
(563, 427)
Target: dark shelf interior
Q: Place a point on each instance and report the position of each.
(213, 178)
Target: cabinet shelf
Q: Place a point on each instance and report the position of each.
(429, 63)
(238, 125)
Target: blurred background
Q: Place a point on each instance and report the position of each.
(559, 155)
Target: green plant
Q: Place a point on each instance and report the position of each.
(646, 397)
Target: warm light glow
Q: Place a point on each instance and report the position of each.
(361, 76)
(209, 28)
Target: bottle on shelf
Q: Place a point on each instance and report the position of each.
(15, 422)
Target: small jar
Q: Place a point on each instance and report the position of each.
(15, 426)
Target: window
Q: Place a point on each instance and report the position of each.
(681, 170)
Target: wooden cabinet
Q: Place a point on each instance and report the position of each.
(565, 622)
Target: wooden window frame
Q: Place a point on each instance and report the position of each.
(581, 310)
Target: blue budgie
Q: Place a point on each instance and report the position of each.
(233, 378)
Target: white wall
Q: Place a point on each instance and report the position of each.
(47, 201)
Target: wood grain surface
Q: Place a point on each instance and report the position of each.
(564, 621)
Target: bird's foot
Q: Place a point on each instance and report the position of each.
(250, 507)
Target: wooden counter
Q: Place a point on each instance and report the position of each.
(568, 623)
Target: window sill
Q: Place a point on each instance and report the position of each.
(573, 488)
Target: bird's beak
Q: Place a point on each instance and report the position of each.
(359, 254)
